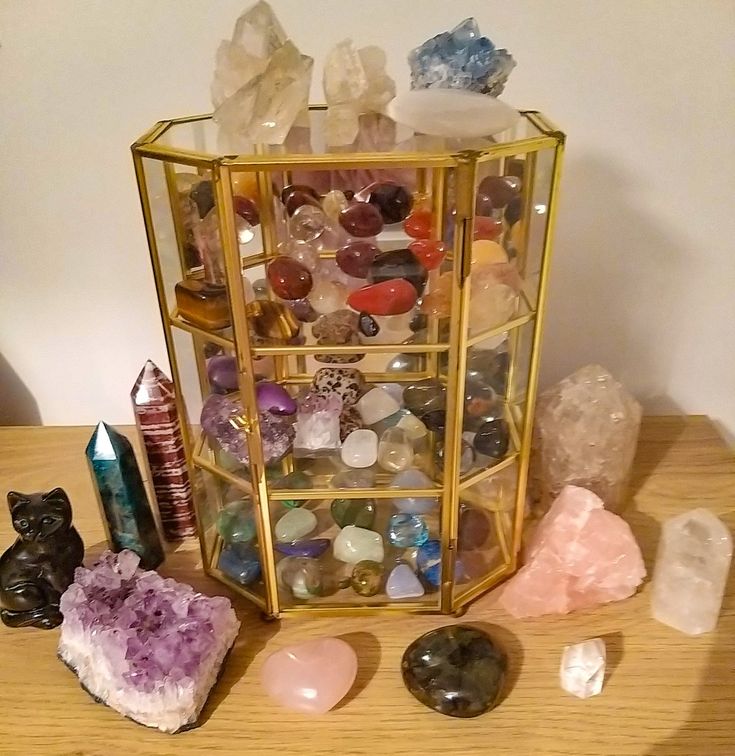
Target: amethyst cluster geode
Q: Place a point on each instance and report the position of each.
(145, 645)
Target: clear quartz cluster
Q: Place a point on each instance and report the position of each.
(147, 646)
(585, 434)
(580, 556)
(355, 82)
(691, 571)
(261, 81)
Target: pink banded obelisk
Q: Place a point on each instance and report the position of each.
(154, 404)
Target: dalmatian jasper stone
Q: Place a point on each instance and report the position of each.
(345, 382)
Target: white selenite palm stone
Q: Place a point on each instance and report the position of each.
(583, 668)
(354, 544)
(691, 570)
(453, 113)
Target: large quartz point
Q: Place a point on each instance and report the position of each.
(691, 570)
(580, 556)
(261, 81)
(585, 435)
(355, 82)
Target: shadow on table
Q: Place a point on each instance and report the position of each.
(710, 728)
(367, 648)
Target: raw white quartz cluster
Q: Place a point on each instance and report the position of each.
(691, 570)
(261, 81)
(355, 82)
(582, 669)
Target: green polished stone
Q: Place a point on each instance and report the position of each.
(358, 512)
(294, 480)
(457, 670)
(235, 522)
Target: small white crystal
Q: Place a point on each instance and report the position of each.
(583, 668)
(691, 570)
(454, 113)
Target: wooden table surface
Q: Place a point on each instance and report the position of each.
(665, 693)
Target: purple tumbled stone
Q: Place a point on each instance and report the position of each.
(356, 257)
(222, 372)
(148, 646)
(222, 420)
(314, 547)
(272, 397)
(361, 219)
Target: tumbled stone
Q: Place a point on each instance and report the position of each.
(333, 203)
(485, 252)
(456, 670)
(418, 224)
(349, 421)
(301, 575)
(355, 257)
(429, 252)
(414, 478)
(309, 548)
(294, 480)
(692, 566)
(327, 296)
(392, 297)
(407, 530)
(438, 300)
(338, 327)
(467, 456)
(236, 523)
(344, 382)
(366, 578)
(355, 544)
(474, 528)
(288, 278)
(361, 219)
(358, 512)
(360, 448)
(513, 211)
(487, 228)
(585, 434)
(288, 190)
(367, 325)
(404, 363)
(295, 524)
(307, 223)
(311, 677)
(489, 366)
(435, 420)
(494, 291)
(492, 439)
(375, 405)
(395, 264)
(297, 198)
(414, 428)
(498, 191)
(241, 562)
(272, 397)
(395, 451)
(272, 320)
(402, 583)
(354, 479)
(429, 562)
(393, 201)
(580, 556)
(303, 310)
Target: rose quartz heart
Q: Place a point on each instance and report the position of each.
(311, 677)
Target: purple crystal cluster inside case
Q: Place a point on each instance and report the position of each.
(147, 646)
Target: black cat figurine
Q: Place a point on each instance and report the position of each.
(40, 565)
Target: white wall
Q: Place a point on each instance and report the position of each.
(644, 267)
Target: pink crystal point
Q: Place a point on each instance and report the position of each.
(580, 556)
(154, 404)
(310, 677)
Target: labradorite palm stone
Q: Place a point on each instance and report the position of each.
(456, 670)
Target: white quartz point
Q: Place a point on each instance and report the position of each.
(354, 544)
(376, 405)
(360, 448)
(583, 668)
(691, 570)
(295, 524)
(451, 112)
(402, 583)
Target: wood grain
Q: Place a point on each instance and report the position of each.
(666, 693)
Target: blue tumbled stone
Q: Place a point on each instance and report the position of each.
(241, 562)
(407, 530)
(313, 547)
(429, 562)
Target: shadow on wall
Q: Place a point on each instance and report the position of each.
(617, 281)
(17, 405)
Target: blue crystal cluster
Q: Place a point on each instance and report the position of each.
(461, 59)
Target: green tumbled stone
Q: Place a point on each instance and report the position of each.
(456, 670)
(358, 512)
(294, 480)
(235, 522)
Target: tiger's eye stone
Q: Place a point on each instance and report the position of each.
(366, 578)
(272, 320)
(356, 257)
(398, 263)
(457, 670)
(392, 297)
(498, 191)
(361, 219)
(418, 224)
(288, 278)
(368, 325)
(429, 252)
(393, 202)
(492, 439)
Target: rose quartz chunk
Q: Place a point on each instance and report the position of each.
(580, 556)
(310, 677)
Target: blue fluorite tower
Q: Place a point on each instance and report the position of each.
(122, 497)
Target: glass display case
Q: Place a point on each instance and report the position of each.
(354, 340)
